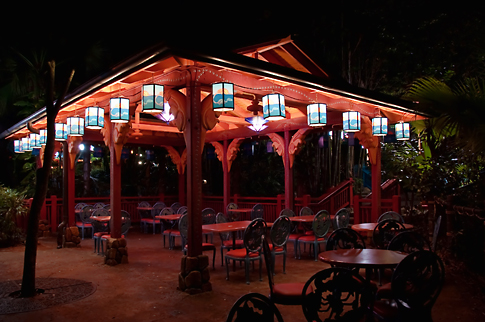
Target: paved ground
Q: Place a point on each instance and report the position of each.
(146, 288)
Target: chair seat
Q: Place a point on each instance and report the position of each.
(384, 291)
(228, 243)
(384, 310)
(277, 248)
(109, 236)
(310, 238)
(288, 293)
(100, 233)
(205, 246)
(294, 236)
(149, 220)
(240, 253)
(173, 232)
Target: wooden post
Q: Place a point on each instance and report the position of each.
(54, 221)
(289, 202)
(396, 203)
(376, 186)
(115, 192)
(356, 209)
(226, 176)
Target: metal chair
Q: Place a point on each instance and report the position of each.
(281, 293)
(345, 238)
(391, 215)
(183, 226)
(99, 230)
(208, 217)
(436, 232)
(125, 227)
(151, 220)
(408, 242)
(167, 228)
(84, 219)
(337, 294)
(182, 210)
(175, 206)
(100, 212)
(279, 233)
(341, 219)
(232, 216)
(385, 231)
(254, 307)
(416, 284)
(257, 211)
(98, 205)
(226, 238)
(321, 226)
(253, 241)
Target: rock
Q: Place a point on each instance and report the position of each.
(206, 287)
(122, 242)
(191, 264)
(74, 231)
(205, 275)
(182, 286)
(111, 262)
(193, 280)
(124, 259)
(203, 261)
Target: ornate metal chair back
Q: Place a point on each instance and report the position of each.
(385, 231)
(391, 215)
(321, 224)
(345, 238)
(254, 307)
(341, 219)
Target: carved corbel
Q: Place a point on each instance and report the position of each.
(177, 159)
(368, 141)
(278, 144)
(232, 150)
(73, 148)
(177, 103)
(296, 143)
(118, 135)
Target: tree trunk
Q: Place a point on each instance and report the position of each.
(30, 255)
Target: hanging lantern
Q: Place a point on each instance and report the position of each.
(119, 110)
(257, 123)
(17, 146)
(317, 114)
(94, 117)
(403, 131)
(274, 107)
(75, 126)
(351, 121)
(379, 126)
(26, 144)
(152, 98)
(34, 141)
(222, 97)
(43, 137)
(61, 132)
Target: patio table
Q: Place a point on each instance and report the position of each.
(304, 219)
(240, 211)
(232, 227)
(367, 229)
(169, 217)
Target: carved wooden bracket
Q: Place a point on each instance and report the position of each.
(278, 144)
(177, 103)
(118, 136)
(73, 148)
(296, 143)
(177, 159)
(368, 141)
(232, 152)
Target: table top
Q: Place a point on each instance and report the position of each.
(169, 217)
(240, 210)
(369, 226)
(227, 226)
(101, 218)
(144, 208)
(364, 258)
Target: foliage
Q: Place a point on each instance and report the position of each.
(11, 207)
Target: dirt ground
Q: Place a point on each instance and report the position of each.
(145, 289)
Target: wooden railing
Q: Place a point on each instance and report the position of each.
(363, 206)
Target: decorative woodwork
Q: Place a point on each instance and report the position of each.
(278, 144)
(232, 152)
(73, 149)
(368, 141)
(296, 143)
(179, 160)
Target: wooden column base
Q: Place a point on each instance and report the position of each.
(194, 276)
(116, 252)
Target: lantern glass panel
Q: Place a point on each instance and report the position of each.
(379, 126)
(403, 131)
(119, 110)
(17, 146)
(26, 144)
(152, 100)
(61, 132)
(222, 97)
(43, 137)
(75, 126)
(94, 117)
(351, 121)
(317, 114)
(274, 107)
(34, 140)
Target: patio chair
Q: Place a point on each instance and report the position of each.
(303, 227)
(232, 216)
(160, 204)
(345, 238)
(385, 231)
(337, 294)
(320, 227)
(253, 239)
(125, 227)
(257, 211)
(391, 215)
(182, 210)
(226, 238)
(208, 217)
(341, 218)
(175, 206)
(280, 293)
(279, 233)
(100, 212)
(183, 226)
(98, 205)
(167, 228)
(148, 218)
(99, 230)
(416, 284)
(436, 232)
(84, 221)
(254, 307)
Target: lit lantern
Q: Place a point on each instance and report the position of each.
(75, 126)
(403, 131)
(351, 121)
(222, 97)
(274, 107)
(17, 146)
(94, 117)
(34, 141)
(379, 126)
(43, 137)
(119, 110)
(61, 132)
(152, 98)
(26, 144)
(257, 123)
(317, 114)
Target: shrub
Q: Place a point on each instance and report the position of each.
(11, 206)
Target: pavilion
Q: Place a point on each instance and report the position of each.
(274, 70)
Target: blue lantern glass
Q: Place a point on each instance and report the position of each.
(351, 121)
(152, 98)
(61, 132)
(222, 97)
(403, 131)
(34, 141)
(75, 126)
(43, 137)
(94, 117)
(17, 146)
(274, 107)
(317, 114)
(379, 126)
(119, 110)
(26, 144)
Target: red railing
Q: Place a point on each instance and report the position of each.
(363, 206)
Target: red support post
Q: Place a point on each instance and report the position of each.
(357, 209)
(226, 176)
(396, 203)
(54, 221)
(115, 192)
(289, 202)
